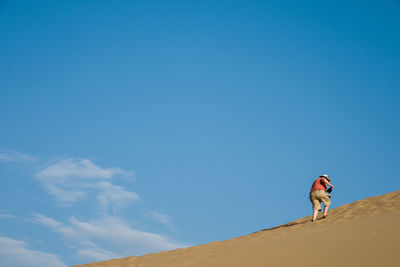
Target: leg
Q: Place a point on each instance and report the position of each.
(327, 202)
(316, 205)
(326, 210)
(315, 213)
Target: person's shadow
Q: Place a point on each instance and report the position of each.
(282, 226)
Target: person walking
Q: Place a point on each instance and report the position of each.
(318, 194)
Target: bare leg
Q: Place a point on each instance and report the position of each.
(315, 213)
(326, 211)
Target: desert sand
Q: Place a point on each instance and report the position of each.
(362, 233)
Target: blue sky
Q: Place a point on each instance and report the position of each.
(131, 127)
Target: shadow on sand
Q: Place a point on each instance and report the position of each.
(286, 225)
(281, 226)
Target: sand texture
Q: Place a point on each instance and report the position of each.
(362, 233)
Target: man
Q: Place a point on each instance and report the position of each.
(318, 194)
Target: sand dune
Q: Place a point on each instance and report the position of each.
(362, 233)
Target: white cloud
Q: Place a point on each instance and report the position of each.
(116, 237)
(114, 196)
(75, 179)
(160, 218)
(15, 253)
(6, 216)
(15, 156)
(55, 225)
(93, 253)
(77, 168)
(72, 180)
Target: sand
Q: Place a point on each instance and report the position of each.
(363, 233)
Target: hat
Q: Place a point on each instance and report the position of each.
(325, 175)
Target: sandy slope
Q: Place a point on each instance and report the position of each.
(363, 233)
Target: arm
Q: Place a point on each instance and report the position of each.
(328, 183)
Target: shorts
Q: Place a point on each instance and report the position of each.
(317, 197)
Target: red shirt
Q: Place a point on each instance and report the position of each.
(318, 184)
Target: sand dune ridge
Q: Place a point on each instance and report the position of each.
(362, 233)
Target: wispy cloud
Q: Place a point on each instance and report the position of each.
(115, 235)
(160, 218)
(94, 253)
(15, 156)
(6, 216)
(71, 180)
(17, 254)
(107, 236)
(79, 169)
(114, 197)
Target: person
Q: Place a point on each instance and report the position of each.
(318, 194)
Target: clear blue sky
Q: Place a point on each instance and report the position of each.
(129, 127)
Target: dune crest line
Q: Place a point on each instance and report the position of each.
(361, 233)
